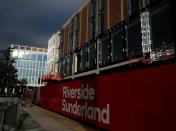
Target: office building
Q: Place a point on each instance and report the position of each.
(30, 64)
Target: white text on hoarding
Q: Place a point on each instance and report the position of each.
(84, 109)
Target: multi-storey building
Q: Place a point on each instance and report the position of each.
(118, 62)
(52, 72)
(53, 54)
(30, 64)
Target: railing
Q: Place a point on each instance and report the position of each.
(8, 115)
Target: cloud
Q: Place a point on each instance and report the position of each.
(33, 21)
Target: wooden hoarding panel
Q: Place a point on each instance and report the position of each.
(114, 12)
(106, 4)
(83, 26)
(66, 39)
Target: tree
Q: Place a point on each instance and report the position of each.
(23, 82)
(8, 76)
(22, 85)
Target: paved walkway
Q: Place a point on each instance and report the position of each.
(40, 119)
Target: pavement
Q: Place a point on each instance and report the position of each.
(39, 119)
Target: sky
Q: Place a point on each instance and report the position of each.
(32, 22)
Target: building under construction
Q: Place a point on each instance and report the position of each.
(117, 66)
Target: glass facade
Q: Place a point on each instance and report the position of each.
(30, 63)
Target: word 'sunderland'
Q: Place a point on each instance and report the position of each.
(85, 95)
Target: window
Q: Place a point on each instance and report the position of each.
(35, 80)
(28, 48)
(40, 64)
(33, 56)
(22, 47)
(34, 49)
(20, 63)
(27, 72)
(28, 79)
(27, 64)
(40, 50)
(39, 58)
(16, 47)
(29, 82)
(24, 72)
(92, 55)
(30, 72)
(40, 72)
(21, 54)
(44, 57)
(44, 64)
(36, 72)
(34, 64)
(18, 77)
(32, 80)
(30, 64)
(27, 55)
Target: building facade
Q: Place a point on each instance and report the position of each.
(53, 54)
(118, 62)
(30, 64)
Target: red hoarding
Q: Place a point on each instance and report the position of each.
(136, 100)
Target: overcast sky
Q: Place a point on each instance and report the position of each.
(32, 22)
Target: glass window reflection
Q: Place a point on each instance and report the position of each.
(30, 65)
(41, 64)
(27, 55)
(30, 72)
(28, 48)
(35, 64)
(22, 48)
(33, 56)
(40, 56)
(27, 72)
(15, 47)
(44, 57)
(21, 54)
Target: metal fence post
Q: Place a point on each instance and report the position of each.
(8, 116)
(3, 119)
